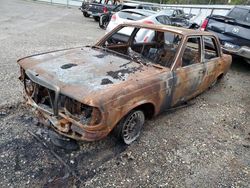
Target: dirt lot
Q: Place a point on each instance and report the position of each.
(205, 144)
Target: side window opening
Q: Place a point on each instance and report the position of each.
(161, 19)
(175, 13)
(192, 52)
(210, 48)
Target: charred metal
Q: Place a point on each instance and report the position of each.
(83, 96)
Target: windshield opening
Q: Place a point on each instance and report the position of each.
(145, 45)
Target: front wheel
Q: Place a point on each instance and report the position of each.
(85, 14)
(129, 128)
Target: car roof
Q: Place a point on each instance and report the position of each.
(178, 30)
(131, 4)
(139, 11)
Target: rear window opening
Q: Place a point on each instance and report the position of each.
(131, 16)
(240, 14)
(210, 47)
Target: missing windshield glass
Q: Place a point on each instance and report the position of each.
(145, 45)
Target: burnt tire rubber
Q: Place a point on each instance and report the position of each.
(129, 128)
(62, 141)
(96, 19)
(85, 14)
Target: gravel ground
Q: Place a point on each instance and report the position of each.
(206, 144)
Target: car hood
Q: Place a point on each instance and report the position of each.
(86, 74)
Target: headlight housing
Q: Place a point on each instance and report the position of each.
(85, 114)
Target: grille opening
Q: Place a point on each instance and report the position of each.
(45, 98)
(42, 96)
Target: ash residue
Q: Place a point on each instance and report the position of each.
(120, 74)
(125, 64)
(106, 81)
(102, 55)
(68, 66)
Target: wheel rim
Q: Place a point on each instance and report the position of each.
(105, 23)
(132, 127)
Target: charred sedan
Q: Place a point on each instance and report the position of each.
(85, 93)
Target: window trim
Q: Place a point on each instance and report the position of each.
(184, 47)
(217, 46)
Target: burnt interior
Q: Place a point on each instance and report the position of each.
(145, 45)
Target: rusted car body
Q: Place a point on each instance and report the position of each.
(83, 93)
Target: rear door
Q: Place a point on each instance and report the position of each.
(211, 56)
(188, 77)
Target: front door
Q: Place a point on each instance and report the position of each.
(188, 77)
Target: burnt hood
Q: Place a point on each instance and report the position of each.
(84, 72)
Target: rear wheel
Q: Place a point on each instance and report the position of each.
(104, 21)
(129, 128)
(85, 14)
(96, 18)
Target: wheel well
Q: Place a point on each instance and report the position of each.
(220, 76)
(148, 110)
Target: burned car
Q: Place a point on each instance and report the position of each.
(85, 93)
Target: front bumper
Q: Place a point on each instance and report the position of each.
(65, 125)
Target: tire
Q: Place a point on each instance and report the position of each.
(96, 18)
(129, 128)
(85, 14)
(105, 22)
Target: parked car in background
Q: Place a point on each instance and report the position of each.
(177, 17)
(85, 5)
(85, 93)
(106, 17)
(128, 15)
(96, 8)
(165, 17)
(233, 30)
